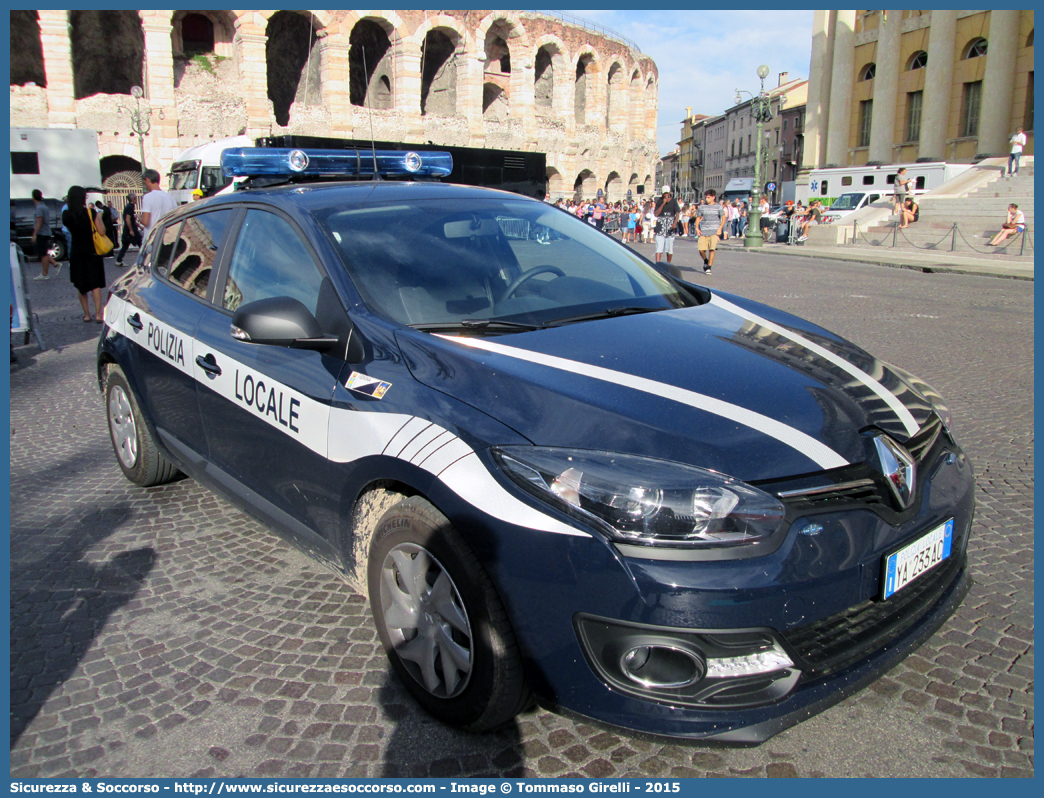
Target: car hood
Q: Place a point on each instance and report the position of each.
(729, 385)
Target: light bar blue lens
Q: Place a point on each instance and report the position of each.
(274, 161)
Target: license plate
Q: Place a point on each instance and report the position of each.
(904, 566)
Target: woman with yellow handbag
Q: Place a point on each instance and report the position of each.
(86, 264)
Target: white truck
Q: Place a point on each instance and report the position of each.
(200, 167)
(52, 160)
(855, 187)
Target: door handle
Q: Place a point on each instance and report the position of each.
(134, 321)
(209, 365)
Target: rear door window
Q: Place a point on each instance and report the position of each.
(194, 255)
(167, 248)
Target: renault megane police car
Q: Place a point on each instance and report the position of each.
(556, 471)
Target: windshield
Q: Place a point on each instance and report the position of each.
(432, 261)
(847, 202)
(184, 179)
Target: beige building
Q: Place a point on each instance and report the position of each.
(902, 86)
(503, 79)
(690, 156)
(715, 135)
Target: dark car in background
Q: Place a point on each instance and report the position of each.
(23, 220)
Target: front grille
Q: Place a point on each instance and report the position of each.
(842, 639)
(863, 491)
(921, 444)
(861, 486)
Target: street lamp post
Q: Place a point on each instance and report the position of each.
(761, 110)
(140, 120)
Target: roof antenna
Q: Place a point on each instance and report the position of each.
(369, 107)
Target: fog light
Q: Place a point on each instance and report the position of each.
(661, 666)
(775, 659)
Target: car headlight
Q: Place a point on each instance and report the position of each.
(641, 500)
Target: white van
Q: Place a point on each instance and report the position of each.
(848, 203)
(200, 167)
(870, 180)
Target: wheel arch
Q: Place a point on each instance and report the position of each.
(369, 504)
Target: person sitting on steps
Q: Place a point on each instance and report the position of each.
(1016, 223)
(910, 212)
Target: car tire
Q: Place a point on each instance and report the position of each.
(136, 452)
(441, 621)
(57, 250)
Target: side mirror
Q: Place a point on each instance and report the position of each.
(280, 321)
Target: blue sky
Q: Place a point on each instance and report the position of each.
(704, 56)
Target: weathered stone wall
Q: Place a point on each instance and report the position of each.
(510, 81)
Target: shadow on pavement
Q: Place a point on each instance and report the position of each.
(59, 605)
(421, 746)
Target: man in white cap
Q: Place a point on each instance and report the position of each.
(667, 211)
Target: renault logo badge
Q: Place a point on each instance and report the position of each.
(898, 468)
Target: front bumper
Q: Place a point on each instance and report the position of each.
(817, 598)
(813, 687)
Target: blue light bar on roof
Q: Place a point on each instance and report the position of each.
(275, 161)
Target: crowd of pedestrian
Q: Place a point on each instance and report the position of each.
(661, 221)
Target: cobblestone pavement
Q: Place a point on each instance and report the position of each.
(162, 632)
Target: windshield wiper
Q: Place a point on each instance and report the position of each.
(608, 313)
(475, 325)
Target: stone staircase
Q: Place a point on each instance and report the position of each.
(978, 216)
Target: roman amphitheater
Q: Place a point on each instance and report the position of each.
(530, 81)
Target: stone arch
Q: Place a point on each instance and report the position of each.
(371, 72)
(584, 85)
(108, 52)
(615, 98)
(551, 83)
(197, 33)
(632, 184)
(556, 185)
(649, 128)
(27, 64)
(111, 164)
(544, 78)
(504, 42)
(586, 185)
(441, 62)
(294, 62)
(503, 22)
(121, 176)
(496, 51)
(634, 92)
(613, 187)
(209, 33)
(187, 36)
(1029, 39)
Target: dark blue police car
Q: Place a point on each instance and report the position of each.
(558, 472)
